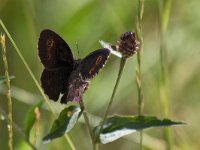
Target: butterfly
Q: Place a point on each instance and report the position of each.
(63, 74)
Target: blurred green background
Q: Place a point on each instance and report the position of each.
(87, 22)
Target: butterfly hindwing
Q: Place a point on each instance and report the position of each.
(54, 82)
(92, 63)
(53, 50)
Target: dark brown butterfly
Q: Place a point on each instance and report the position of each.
(63, 74)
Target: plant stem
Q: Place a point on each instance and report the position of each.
(18, 129)
(138, 71)
(8, 94)
(69, 142)
(122, 64)
(33, 77)
(87, 122)
(164, 12)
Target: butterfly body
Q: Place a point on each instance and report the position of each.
(76, 87)
(63, 74)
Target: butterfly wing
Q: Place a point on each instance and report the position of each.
(87, 69)
(53, 50)
(54, 82)
(92, 63)
(58, 61)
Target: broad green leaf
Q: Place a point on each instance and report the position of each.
(117, 126)
(64, 123)
(3, 78)
(30, 119)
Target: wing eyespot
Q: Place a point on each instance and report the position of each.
(49, 45)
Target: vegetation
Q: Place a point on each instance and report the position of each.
(161, 81)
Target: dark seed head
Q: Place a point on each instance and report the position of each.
(127, 44)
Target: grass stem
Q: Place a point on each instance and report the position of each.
(164, 13)
(139, 59)
(8, 94)
(138, 71)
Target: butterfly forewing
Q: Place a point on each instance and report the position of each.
(57, 59)
(92, 63)
(53, 50)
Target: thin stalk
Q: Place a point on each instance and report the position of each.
(121, 68)
(138, 71)
(8, 94)
(164, 13)
(139, 58)
(87, 122)
(70, 142)
(33, 77)
(18, 129)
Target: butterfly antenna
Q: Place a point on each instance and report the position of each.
(77, 49)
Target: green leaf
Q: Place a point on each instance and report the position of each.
(117, 126)
(3, 78)
(65, 122)
(30, 119)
